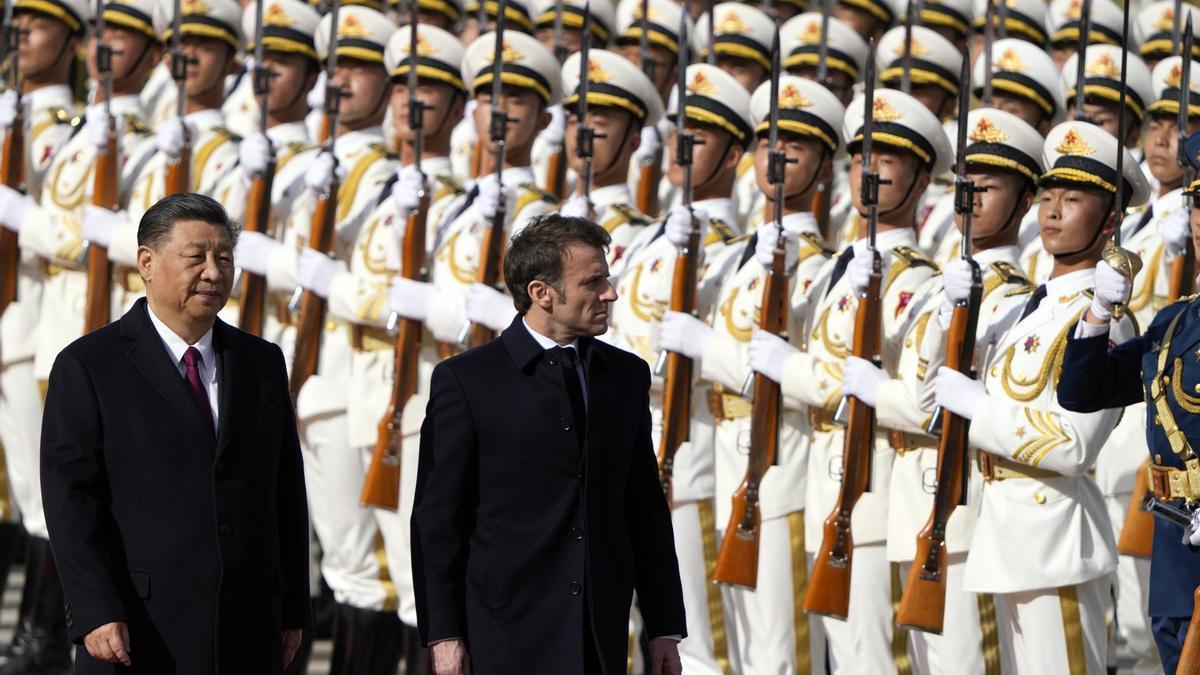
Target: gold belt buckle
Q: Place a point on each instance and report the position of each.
(987, 466)
(1192, 471)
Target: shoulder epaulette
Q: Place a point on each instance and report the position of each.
(1187, 298)
(448, 185)
(135, 124)
(1007, 273)
(541, 194)
(383, 150)
(227, 134)
(913, 258)
(723, 230)
(296, 147)
(817, 242)
(631, 215)
(64, 116)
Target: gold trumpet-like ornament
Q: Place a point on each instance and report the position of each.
(1124, 261)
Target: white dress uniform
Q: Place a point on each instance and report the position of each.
(865, 642)
(50, 120)
(1043, 544)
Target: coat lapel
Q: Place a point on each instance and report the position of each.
(596, 371)
(228, 384)
(152, 360)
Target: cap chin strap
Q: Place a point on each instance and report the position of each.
(1008, 222)
(907, 193)
(1100, 228)
(713, 174)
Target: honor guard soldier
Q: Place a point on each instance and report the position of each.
(846, 52)
(358, 291)
(1155, 23)
(716, 111)
(1023, 19)
(367, 632)
(621, 102)
(1156, 367)
(480, 18)
(869, 18)
(909, 148)
(1101, 93)
(952, 19)
(1043, 543)
(530, 82)
(39, 99)
(1004, 161)
(444, 14)
(933, 68)
(1104, 21)
(774, 635)
(49, 227)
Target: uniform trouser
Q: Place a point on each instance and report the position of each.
(1132, 582)
(706, 650)
(968, 644)
(775, 636)
(1056, 630)
(20, 434)
(862, 644)
(394, 526)
(353, 561)
(1169, 634)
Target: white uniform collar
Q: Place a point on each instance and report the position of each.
(612, 194)
(288, 132)
(1008, 254)
(1070, 283)
(890, 239)
(720, 209)
(53, 95)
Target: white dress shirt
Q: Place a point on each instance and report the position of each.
(177, 346)
(547, 343)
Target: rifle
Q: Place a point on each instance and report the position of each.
(922, 607)
(1189, 656)
(1183, 268)
(381, 486)
(989, 37)
(491, 246)
(12, 164)
(258, 200)
(737, 559)
(677, 388)
(828, 590)
(311, 322)
(179, 168)
(585, 136)
(906, 69)
(823, 199)
(1125, 261)
(711, 57)
(651, 174)
(556, 166)
(105, 193)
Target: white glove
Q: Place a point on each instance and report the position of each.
(98, 121)
(254, 251)
(1191, 533)
(13, 205)
(319, 175)
(1112, 288)
(556, 131)
(956, 287)
(316, 95)
(576, 207)
(99, 224)
(488, 200)
(764, 250)
(8, 108)
(861, 379)
(315, 271)
(684, 334)
(469, 133)
(647, 148)
(254, 154)
(406, 193)
(678, 229)
(958, 393)
(171, 136)
(411, 299)
(858, 271)
(489, 307)
(1176, 230)
(768, 353)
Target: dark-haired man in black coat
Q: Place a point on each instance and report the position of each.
(538, 510)
(171, 472)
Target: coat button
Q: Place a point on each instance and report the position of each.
(226, 530)
(226, 592)
(553, 361)
(576, 588)
(577, 533)
(220, 467)
(565, 423)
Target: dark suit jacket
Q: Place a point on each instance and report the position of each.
(517, 531)
(1095, 377)
(200, 544)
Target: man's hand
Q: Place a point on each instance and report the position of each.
(1112, 289)
(450, 658)
(291, 643)
(664, 657)
(110, 643)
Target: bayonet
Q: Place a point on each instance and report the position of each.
(823, 47)
(560, 50)
(1085, 27)
(711, 56)
(586, 136)
(648, 63)
(906, 64)
(989, 39)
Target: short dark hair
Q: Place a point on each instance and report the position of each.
(158, 221)
(536, 253)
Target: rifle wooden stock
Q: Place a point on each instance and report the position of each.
(677, 387)
(1189, 656)
(12, 174)
(647, 187)
(556, 173)
(1183, 273)
(253, 296)
(476, 159)
(822, 200)
(311, 322)
(491, 246)
(828, 589)
(923, 605)
(381, 486)
(1137, 534)
(105, 194)
(179, 173)
(737, 559)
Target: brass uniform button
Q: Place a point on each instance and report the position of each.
(1039, 497)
